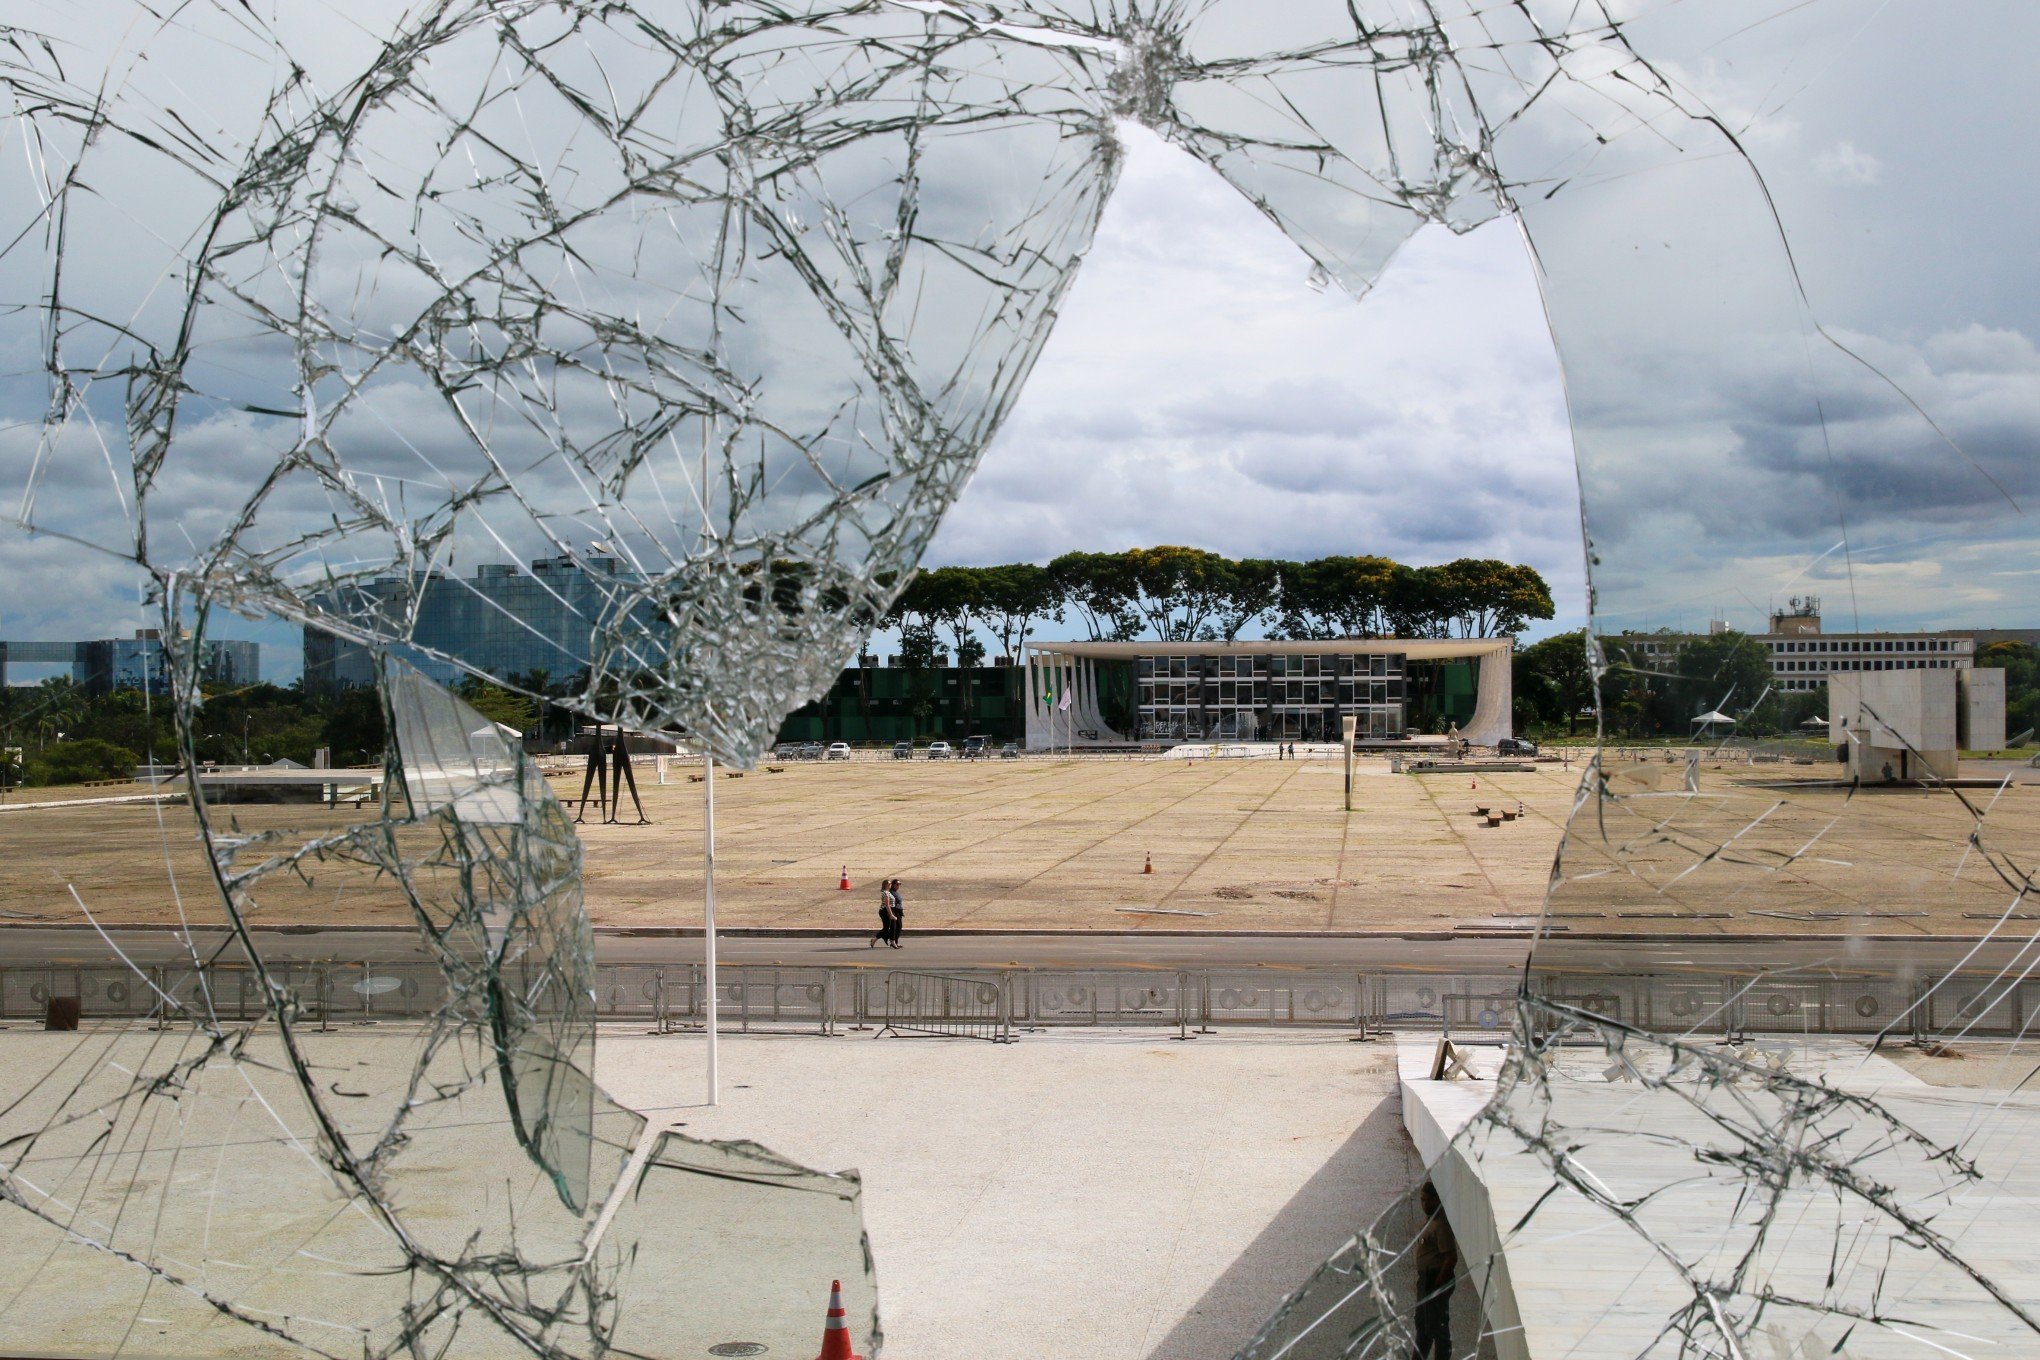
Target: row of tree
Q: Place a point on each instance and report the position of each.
(2022, 683)
(1178, 594)
(1730, 672)
(65, 736)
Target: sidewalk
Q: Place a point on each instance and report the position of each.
(1114, 1196)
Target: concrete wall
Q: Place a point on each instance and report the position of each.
(1896, 724)
(1435, 1113)
(1981, 725)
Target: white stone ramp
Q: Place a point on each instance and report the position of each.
(1572, 1279)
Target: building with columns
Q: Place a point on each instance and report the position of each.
(1128, 693)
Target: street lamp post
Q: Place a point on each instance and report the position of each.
(708, 909)
(1349, 725)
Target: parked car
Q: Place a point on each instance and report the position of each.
(1010, 751)
(839, 750)
(939, 750)
(903, 750)
(1515, 746)
(973, 747)
(786, 750)
(810, 750)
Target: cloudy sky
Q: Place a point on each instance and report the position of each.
(1198, 389)
(1790, 367)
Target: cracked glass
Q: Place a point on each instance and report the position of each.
(664, 335)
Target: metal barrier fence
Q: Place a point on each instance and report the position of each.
(1000, 1003)
(962, 1007)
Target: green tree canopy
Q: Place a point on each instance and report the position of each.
(1341, 597)
(1181, 594)
(1100, 587)
(77, 761)
(500, 705)
(1728, 671)
(1177, 590)
(1553, 682)
(951, 598)
(1012, 598)
(1253, 595)
(2021, 665)
(1484, 597)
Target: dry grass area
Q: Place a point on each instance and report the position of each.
(1046, 843)
(1038, 843)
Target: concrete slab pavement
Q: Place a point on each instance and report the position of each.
(1108, 1195)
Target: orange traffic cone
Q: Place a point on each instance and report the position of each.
(1149, 867)
(1473, 783)
(836, 1331)
(844, 885)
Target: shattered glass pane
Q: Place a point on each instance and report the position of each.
(657, 339)
(238, 1178)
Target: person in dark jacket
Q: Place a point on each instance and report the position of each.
(899, 915)
(1437, 1260)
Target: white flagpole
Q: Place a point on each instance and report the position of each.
(708, 911)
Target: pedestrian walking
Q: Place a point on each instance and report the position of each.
(1437, 1259)
(899, 914)
(885, 915)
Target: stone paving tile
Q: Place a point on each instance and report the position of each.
(1052, 843)
(1113, 1195)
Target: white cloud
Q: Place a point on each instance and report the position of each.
(1198, 390)
(1843, 163)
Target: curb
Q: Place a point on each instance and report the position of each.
(964, 932)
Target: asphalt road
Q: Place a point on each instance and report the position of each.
(1482, 955)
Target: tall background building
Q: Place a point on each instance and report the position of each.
(1803, 653)
(104, 665)
(504, 620)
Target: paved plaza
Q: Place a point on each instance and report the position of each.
(1030, 844)
(1116, 1196)
(1063, 844)
(1059, 844)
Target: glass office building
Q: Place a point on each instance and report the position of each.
(135, 663)
(504, 620)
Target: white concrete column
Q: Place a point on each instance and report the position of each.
(1494, 697)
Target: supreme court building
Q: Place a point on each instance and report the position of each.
(1126, 693)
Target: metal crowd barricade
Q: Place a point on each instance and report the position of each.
(1482, 1009)
(996, 1003)
(1985, 1006)
(1267, 998)
(937, 1003)
(746, 995)
(1446, 1000)
(1101, 997)
(631, 991)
